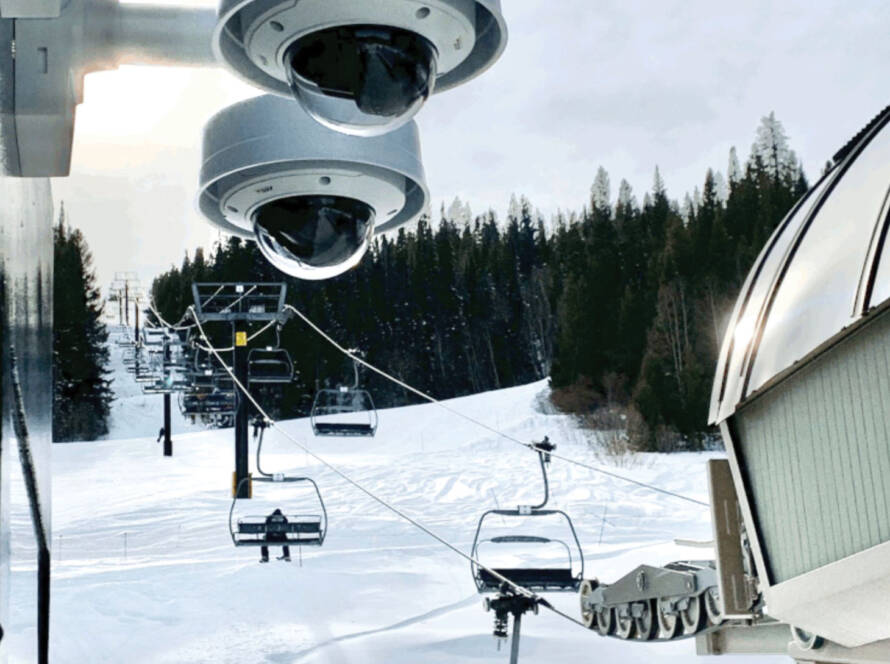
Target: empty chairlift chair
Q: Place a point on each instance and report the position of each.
(269, 366)
(345, 411)
(564, 577)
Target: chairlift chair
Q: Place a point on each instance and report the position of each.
(331, 405)
(563, 578)
(345, 411)
(206, 402)
(168, 384)
(144, 376)
(296, 529)
(153, 337)
(269, 366)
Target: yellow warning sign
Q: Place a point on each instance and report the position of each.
(240, 339)
(235, 483)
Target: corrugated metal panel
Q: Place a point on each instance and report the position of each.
(815, 453)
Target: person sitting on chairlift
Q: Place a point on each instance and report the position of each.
(276, 533)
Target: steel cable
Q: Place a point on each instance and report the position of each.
(444, 406)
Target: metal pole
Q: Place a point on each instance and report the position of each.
(155, 35)
(241, 442)
(127, 303)
(168, 441)
(514, 648)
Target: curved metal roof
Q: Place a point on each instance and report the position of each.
(824, 268)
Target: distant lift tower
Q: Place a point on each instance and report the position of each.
(239, 305)
(124, 289)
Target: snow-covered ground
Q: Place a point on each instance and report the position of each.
(144, 570)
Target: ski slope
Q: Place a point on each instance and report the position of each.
(144, 570)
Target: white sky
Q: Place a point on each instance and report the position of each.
(620, 83)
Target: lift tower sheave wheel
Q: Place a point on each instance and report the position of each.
(686, 598)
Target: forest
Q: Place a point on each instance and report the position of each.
(622, 304)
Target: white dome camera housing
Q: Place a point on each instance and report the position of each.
(362, 68)
(312, 198)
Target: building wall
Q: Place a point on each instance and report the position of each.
(815, 453)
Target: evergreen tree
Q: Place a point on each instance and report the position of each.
(81, 390)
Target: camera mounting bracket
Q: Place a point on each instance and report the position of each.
(54, 44)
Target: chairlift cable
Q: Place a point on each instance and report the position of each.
(444, 406)
(175, 328)
(272, 423)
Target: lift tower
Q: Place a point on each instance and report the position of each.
(239, 305)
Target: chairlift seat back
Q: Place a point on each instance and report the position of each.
(546, 579)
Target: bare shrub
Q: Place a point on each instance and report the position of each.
(668, 439)
(620, 434)
(578, 398)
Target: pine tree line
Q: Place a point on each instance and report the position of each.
(622, 304)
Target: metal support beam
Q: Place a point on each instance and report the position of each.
(762, 639)
(514, 645)
(242, 450)
(168, 440)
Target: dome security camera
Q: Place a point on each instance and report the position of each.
(363, 68)
(310, 197)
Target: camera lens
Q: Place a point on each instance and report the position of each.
(364, 80)
(314, 237)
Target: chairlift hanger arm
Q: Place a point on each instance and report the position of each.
(546, 481)
(269, 477)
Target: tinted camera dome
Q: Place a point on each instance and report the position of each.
(362, 79)
(314, 237)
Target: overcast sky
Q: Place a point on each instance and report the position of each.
(624, 84)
